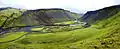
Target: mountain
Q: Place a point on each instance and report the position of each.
(5, 8)
(103, 34)
(93, 16)
(18, 17)
(47, 16)
(9, 15)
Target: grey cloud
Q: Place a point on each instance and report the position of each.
(2, 4)
(117, 1)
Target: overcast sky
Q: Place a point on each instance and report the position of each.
(72, 5)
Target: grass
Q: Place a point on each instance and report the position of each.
(55, 39)
(67, 22)
(105, 34)
(11, 36)
(62, 37)
(36, 29)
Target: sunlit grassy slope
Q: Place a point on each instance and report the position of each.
(10, 36)
(104, 34)
(67, 22)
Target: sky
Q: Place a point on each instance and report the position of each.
(78, 6)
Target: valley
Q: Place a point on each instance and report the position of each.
(93, 30)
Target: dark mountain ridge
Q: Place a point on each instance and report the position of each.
(4, 8)
(93, 16)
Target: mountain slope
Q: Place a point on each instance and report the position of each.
(110, 30)
(104, 34)
(93, 16)
(47, 16)
(9, 16)
(19, 17)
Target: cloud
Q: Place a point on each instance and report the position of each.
(1, 3)
(73, 5)
(117, 1)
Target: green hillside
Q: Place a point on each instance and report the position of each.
(22, 17)
(93, 16)
(104, 33)
(10, 17)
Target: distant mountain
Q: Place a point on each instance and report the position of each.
(6, 8)
(93, 16)
(81, 14)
